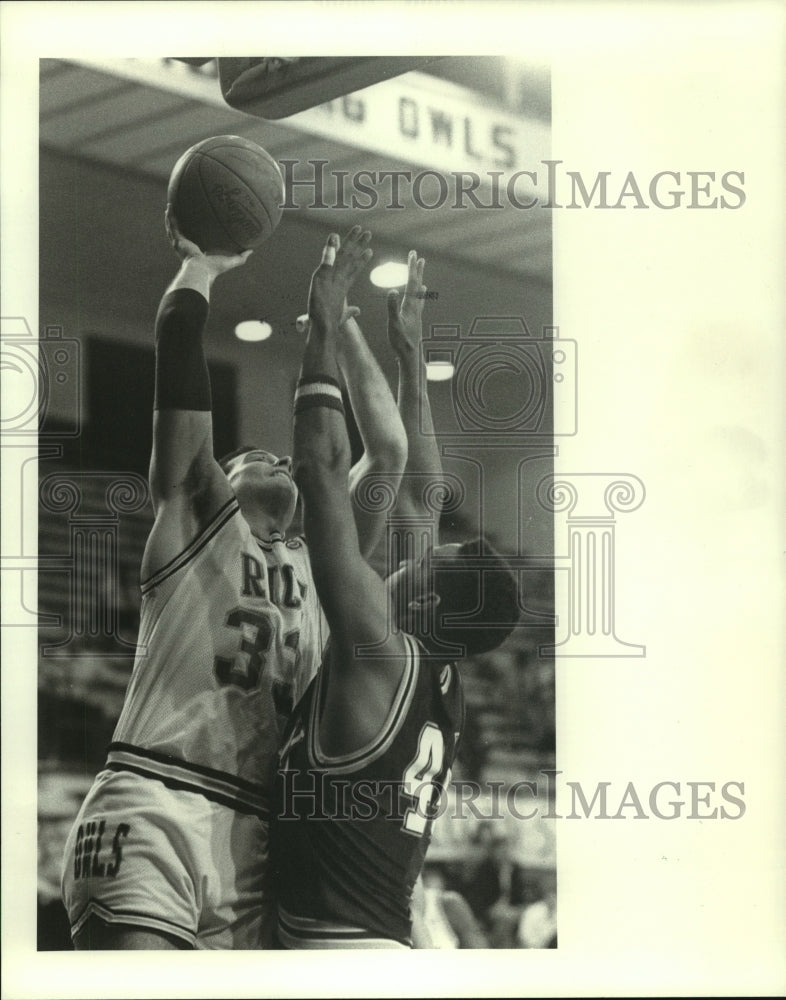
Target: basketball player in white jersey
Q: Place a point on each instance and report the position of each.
(169, 849)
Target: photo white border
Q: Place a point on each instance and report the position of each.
(647, 908)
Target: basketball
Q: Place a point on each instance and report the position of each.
(226, 194)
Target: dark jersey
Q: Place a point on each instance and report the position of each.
(350, 833)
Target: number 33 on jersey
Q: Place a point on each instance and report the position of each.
(231, 633)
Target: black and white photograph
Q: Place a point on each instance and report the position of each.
(447, 395)
(392, 440)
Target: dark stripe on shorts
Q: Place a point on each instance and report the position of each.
(184, 786)
(95, 910)
(295, 933)
(209, 772)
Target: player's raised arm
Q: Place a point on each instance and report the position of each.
(380, 467)
(186, 483)
(405, 332)
(352, 595)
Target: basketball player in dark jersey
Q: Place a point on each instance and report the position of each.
(369, 748)
(169, 849)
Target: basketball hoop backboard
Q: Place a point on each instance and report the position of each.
(270, 87)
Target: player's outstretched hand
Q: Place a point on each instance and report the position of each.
(187, 250)
(348, 312)
(405, 316)
(341, 264)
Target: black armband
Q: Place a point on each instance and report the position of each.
(182, 377)
(318, 390)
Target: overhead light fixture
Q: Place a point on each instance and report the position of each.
(253, 329)
(389, 275)
(439, 371)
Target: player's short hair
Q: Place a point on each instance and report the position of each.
(226, 460)
(468, 584)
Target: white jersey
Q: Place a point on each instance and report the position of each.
(231, 634)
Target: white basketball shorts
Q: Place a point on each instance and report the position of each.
(142, 854)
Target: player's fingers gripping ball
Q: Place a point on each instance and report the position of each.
(227, 195)
(182, 246)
